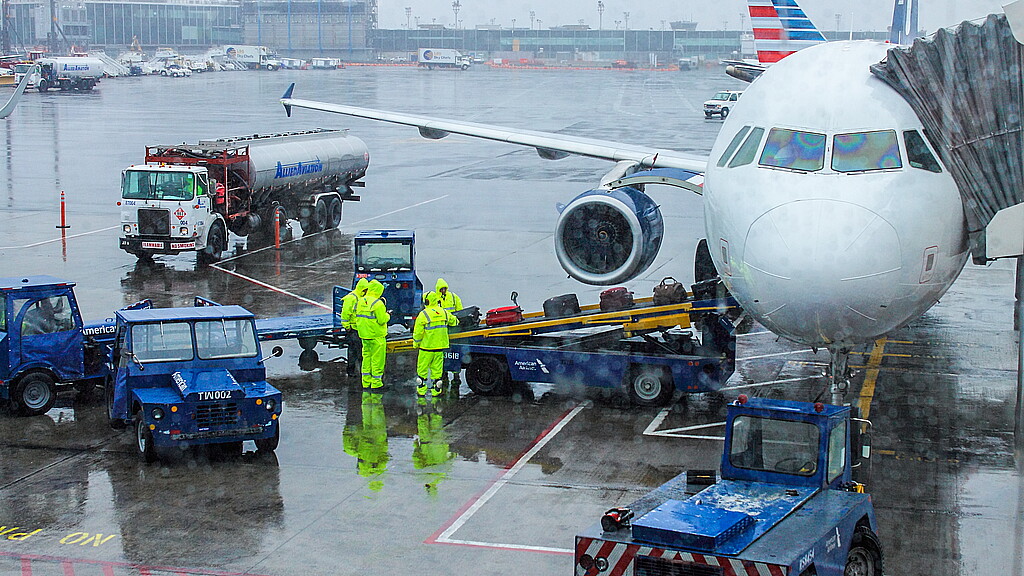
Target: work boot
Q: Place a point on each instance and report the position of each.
(421, 387)
(436, 390)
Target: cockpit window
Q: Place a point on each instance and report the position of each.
(863, 151)
(804, 151)
(732, 146)
(918, 154)
(749, 149)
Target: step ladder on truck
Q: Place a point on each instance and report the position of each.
(785, 504)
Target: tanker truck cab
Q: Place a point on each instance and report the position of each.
(191, 376)
(784, 504)
(169, 209)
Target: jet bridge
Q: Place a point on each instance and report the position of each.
(967, 87)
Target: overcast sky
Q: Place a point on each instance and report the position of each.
(710, 15)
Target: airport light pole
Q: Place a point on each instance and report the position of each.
(408, 17)
(600, 15)
(533, 16)
(625, 16)
(455, 8)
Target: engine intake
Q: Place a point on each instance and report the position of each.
(608, 236)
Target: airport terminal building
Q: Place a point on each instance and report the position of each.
(344, 29)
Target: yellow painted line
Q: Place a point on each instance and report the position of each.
(867, 391)
(886, 452)
(887, 354)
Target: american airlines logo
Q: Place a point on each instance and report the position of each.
(298, 169)
(74, 67)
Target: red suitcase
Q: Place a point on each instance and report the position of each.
(504, 315)
(614, 299)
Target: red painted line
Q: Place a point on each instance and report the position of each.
(69, 569)
(432, 539)
(108, 567)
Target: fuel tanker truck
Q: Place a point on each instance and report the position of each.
(186, 198)
(68, 73)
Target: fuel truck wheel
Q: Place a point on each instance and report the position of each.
(215, 243)
(320, 215)
(649, 385)
(488, 376)
(34, 393)
(43, 86)
(333, 213)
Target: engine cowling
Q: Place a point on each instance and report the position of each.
(608, 236)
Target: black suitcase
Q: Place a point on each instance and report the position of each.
(469, 319)
(706, 289)
(561, 306)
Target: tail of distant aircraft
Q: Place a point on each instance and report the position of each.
(780, 28)
(904, 22)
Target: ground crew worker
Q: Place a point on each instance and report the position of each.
(372, 324)
(430, 337)
(451, 302)
(348, 317)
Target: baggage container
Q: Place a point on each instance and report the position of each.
(504, 315)
(561, 306)
(616, 299)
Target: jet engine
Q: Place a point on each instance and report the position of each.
(608, 236)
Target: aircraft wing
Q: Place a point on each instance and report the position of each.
(13, 101)
(549, 145)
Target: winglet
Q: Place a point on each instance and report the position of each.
(288, 96)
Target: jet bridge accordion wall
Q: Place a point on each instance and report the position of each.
(967, 87)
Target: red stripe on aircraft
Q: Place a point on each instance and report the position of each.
(772, 55)
(763, 12)
(767, 33)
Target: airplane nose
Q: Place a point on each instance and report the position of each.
(822, 266)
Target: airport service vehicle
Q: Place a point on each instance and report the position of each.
(389, 256)
(44, 343)
(254, 57)
(325, 63)
(176, 71)
(191, 376)
(785, 504)
(186, 197)
(68, 73)
(721, 103)
(431, 58)
(648, 351)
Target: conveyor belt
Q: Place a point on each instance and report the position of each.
(643, 317)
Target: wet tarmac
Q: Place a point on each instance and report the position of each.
(462, 485)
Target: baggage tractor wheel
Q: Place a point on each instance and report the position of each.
(649, 385)
(488, 376)
(269, 444)
(144, 440)
(34, 393)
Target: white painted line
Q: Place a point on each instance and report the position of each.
(445, 537)
(52, 240)
(653, 426)
(791, 352)
(769, 383)
(754, 333)
(681, 432)
(270, 287)
(305, 236)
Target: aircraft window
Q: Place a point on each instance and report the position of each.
(804, 151)
(732, 145)
(918, 154)
(862, 151)
(749, 149)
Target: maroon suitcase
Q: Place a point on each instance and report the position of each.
(614, 299)
(504, 315)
